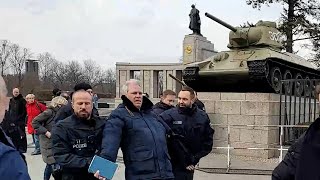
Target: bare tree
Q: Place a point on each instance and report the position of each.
(46, 66)
(59, 75)
(18, 59)
(4, 55)
(93, 73)
(74, 73)
(110, 81)
(110, 75)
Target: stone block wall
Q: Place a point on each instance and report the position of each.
(245, 109)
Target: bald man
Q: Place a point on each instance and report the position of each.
(12, 164)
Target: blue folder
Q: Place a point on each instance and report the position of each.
(106, 168)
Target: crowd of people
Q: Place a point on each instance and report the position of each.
(163, 141)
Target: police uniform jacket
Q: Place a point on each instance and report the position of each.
(196, 135)
(160, 107)
(75, 142)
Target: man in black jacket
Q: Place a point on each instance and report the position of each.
(196, 135)
(77, 138)
(302, 159)
(199, 103)
(15, 121)
(67, 111)
(167, 102)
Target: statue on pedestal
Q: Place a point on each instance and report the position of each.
(195, 22)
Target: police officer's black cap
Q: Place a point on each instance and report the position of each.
(83, 85)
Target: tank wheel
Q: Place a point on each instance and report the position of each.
(276, 78)
(307, 87)
(298, 87)
(266, 69)
(288, 84)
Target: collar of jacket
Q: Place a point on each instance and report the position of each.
(163, 105)
(81, 123)
(54, 109)
(146, 104)
(18, 97)
(187, 110)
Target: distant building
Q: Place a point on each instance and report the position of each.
(32, 68)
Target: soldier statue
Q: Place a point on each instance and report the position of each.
(195, 20)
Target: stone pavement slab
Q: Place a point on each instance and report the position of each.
(36, 168)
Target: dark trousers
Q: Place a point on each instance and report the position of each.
(183, 175)
(47, 172)
(18, 138)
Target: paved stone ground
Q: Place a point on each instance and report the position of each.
(36, 167)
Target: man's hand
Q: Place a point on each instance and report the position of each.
(190, 167)
(48, 134)
(98, 176)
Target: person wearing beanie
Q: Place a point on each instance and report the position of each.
(83, 85)
(56, 92)
(67, 110)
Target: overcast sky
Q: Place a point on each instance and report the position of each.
(110, 31)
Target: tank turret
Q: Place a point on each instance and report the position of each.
(262, 34)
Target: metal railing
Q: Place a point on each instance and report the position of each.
(298, 105)
(281, 147)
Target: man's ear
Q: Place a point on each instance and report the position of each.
(193, 100)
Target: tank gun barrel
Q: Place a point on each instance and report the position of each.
(221, 22)
(178, 80)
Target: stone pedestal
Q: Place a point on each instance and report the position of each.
(244, 109)
(196, 48)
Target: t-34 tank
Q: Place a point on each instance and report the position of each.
(254, 63)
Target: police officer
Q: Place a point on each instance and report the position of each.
(166, 102)
(196, 136)
(77, 138)
(66, 110)
(199, 103)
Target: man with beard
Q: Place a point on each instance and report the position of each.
(77, 138)
(15, 121)
(67, 111)
(195, 134)
(166, 102)
(12, 165)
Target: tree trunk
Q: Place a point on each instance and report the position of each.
(2, 69)
(289, 30)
